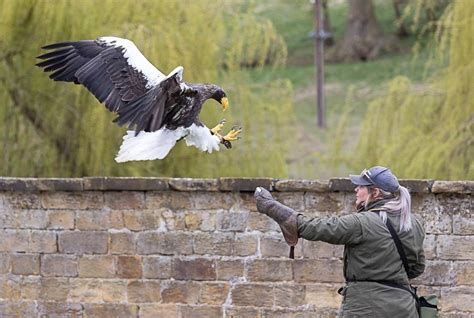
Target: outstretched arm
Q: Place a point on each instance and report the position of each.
(335, 230)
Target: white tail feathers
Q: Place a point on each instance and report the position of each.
(157, 144)
(148, 145)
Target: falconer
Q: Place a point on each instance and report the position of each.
(377, 284)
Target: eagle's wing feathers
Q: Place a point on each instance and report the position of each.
(112, 69)
(67, 58)
(118, 75)
(151, 111)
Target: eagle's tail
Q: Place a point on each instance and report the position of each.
(148, 145)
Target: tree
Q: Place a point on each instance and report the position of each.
(363, 38)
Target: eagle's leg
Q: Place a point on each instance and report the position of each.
(218, 128)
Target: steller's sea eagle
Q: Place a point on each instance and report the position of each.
(161, 109)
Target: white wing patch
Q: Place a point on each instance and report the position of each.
(201, 138)
(157, 144)
(136, 59)
(177, 70)
(148, 145)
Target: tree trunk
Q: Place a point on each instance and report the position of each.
(363, 39)
(402, 31)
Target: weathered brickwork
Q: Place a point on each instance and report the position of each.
(165, 247)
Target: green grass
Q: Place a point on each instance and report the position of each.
(369, 73)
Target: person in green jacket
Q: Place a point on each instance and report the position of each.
(377, 284)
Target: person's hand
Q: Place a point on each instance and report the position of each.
(264, 200)
(262, 193)
(283, 215)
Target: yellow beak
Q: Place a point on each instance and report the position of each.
(225, 103)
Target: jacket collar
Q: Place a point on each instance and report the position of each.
(375, 205)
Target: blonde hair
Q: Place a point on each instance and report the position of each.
(399, 205)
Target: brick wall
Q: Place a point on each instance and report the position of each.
(145, 247)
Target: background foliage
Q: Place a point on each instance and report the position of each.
(59, 129)
(411, 110)
(427, 131)
(357, 137)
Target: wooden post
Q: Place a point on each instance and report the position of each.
(319, 63)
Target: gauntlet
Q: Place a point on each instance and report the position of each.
(283, 215)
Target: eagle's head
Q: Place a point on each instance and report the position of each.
(221, 97)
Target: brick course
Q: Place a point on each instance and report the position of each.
(83, 242)
(168, 247)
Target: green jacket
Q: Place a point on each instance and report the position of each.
(370, 254)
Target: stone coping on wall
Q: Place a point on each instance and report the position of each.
(216, 185)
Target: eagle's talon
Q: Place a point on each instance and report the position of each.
(232, 134)
(218, 128)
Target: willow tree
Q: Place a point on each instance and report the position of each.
(427, 131)
(58, 129)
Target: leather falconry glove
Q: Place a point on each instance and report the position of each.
(283, 215)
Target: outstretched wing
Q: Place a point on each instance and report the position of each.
(118, 75)
(112, 69)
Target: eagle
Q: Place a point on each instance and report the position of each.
(159, 109)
